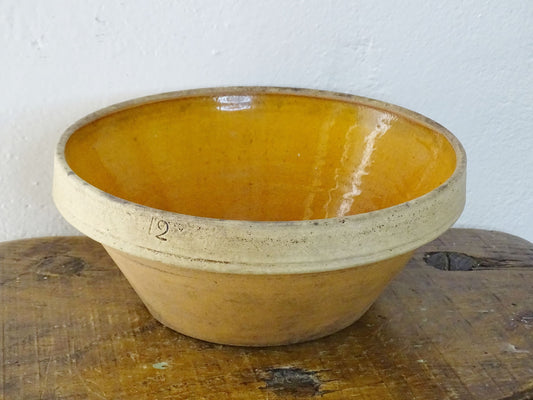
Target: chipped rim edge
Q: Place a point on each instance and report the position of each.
(259, 247)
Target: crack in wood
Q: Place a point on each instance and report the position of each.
(60, 266)
(454, 261)
(525, 317)
(296, 382)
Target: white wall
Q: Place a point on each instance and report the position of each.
(467, 65)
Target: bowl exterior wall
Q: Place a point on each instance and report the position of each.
(256, 310)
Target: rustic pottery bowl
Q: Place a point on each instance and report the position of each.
(259, 216)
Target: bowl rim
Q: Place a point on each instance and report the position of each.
(438, 209)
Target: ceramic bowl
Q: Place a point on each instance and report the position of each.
(259, 216)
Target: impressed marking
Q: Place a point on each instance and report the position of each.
(158, 228)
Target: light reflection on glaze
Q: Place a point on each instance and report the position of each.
(233, 103)
(383, 124)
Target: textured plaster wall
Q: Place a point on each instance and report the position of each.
(467, 65)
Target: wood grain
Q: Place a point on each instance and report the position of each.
(72, 328)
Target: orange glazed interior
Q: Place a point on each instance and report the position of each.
(262, 157)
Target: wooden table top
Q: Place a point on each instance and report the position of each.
(457, 323)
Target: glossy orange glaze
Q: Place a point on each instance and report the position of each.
(261, 157)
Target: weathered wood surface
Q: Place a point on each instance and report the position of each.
(72, 328)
